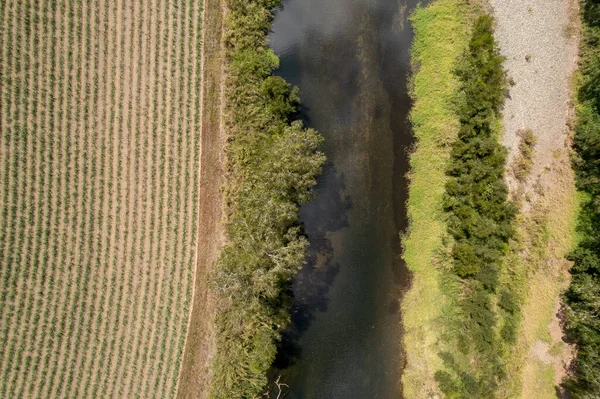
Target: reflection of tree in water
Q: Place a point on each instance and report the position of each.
(352, 78)
(336, 76)
(326, 214)
(303, 313)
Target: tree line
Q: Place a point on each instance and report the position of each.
(583, 296)
(272, 165)
(480, 221)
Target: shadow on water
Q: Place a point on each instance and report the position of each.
(311, 285)
(350, 59)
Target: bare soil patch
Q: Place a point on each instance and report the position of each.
(540, 41)
(194, 379)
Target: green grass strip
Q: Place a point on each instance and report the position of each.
(441, 35)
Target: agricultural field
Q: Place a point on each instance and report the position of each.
(99, 158)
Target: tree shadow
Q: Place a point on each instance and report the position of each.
(310, 288)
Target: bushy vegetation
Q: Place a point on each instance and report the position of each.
(272, 165)
(524, 163)
(441, 36)
(583, 295)
(479, 219)
(480, 216)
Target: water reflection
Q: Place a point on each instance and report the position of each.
(350, 59)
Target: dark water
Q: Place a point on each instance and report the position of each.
(350, 59)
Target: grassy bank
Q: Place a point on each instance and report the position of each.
(272, 165)
(480, 221)
(441, 35)
(461, 315)
(537, 273)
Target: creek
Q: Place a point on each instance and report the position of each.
(351, 61)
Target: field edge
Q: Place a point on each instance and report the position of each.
(194, 377)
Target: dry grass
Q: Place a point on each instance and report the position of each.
(538, 271)
(547, 282)
(540, 42)
(523, 163)
(100, 161)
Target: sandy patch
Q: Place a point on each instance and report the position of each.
(539, 40)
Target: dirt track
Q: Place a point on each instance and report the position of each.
(194, 377)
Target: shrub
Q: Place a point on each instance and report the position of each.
(583, 296)
(479, 216)
(524, 163)
(273, 164)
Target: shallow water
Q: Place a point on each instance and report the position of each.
(350, 59)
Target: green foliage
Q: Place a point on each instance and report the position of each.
(479, 218)
(273, 164)
(476, 196)
(441, 33)
(586, 144)
(590, 65)
(583, 295)
(583, 299)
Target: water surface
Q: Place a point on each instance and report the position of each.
(350, 59)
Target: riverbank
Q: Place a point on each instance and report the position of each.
(272, 162)
(539, 39)
(521, 332)
(441, 35)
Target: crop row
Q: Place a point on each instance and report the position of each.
(99, 192)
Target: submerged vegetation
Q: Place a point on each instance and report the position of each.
(273, 163)
(583, 295)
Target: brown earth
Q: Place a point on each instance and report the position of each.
(539, 39)
(194, 379)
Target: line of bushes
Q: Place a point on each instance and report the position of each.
(583, 296)
(273, 162)
(441, 35)
(480, 220)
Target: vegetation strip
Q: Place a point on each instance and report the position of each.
(441, 35)
(272, 166)
(480, 220)
(583, 296)
(464, 267)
